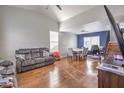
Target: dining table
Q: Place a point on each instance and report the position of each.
(77, 51)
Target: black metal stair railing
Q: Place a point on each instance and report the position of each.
(117, 30)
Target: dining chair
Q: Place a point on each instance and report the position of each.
(70, 53)
(95, 49)
(84, 53)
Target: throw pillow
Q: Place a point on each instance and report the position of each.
(20, 56)
(46, 54)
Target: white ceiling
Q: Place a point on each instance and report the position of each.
(88, 18)
(67, 12)
(91, 27)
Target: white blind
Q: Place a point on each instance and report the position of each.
(53, 41)
(89, 41)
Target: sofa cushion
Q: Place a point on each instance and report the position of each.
(28, 56)
(35, 50)
(45, 53)
(35, 55)
(39, 60)
(28, 62)
(23, 51)
(41, 52)
(49, 58)
(10, 70)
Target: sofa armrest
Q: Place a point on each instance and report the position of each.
(51, 54)
(19, 62)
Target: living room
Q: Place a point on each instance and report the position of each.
(46, 43)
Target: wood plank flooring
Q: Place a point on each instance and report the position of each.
(62, 74)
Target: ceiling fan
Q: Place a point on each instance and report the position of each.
(84, 31)
(58, 6)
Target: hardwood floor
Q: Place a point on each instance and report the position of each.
(62, 74)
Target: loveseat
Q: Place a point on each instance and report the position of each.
(31, 58)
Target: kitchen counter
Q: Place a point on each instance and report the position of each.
(110, 76)
(111, 68)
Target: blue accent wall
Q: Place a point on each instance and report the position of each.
(102, 34)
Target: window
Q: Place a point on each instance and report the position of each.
(89, 41)
(53, 41)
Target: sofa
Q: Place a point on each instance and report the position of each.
(31, 58)
(7, 74)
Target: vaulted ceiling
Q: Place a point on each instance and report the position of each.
(78, 18)
(52, 11)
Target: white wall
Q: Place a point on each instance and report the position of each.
(23, 29)
(66, 40)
